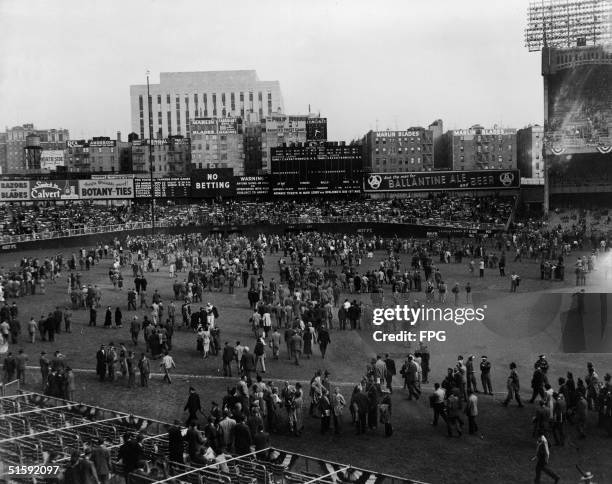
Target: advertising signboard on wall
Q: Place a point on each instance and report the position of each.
(106, 189)
(252, 185)
(51, 159)
(54, 190)
(211, 183)
(14, 191)
(441, 180)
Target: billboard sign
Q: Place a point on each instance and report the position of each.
(252, 185)
(211, 183)
(441, 180)
(204, 126)
(54, 190)
(14, 191)
(286, 124)
(215, 126)
(316, 129)
(106, 189)
(227, 125)
(51, 159)
(102, 143)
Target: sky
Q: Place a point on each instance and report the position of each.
(363, 64)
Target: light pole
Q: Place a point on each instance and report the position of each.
(149, 107)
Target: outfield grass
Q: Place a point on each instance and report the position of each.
(517, 327)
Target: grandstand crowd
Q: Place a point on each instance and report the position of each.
(440, 209)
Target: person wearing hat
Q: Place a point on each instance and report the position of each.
(587, 478)
(485, 375)
(513, 386)
(195, 441)
(538, 380)
(193, 406)
(101, 458)
(215, 412)
(542, 364)
(80, 470)
(211, 433)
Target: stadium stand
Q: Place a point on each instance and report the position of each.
(36, 429)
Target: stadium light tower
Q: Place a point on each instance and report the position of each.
(149, 107)
(568, 23)
(570, 34)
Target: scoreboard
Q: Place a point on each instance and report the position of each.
(317, 169)
(163, 187)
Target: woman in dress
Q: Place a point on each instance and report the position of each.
(206, 342)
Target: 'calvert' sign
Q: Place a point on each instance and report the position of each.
(54, 190)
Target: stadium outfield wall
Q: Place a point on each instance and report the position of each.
(221, 183)
(383, 229)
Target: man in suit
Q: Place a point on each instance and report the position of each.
(296, 344)
(248, 364)
(410, 376)
(100, 456)
(44, 368)
(471, 378)
(261, 440)
(242, 437)
(145, 370)
(193, 406)
(22, 360)
(101, 362)
(391, 371)
(360, 406)
(195, 441)
(485, 376)
(80, 470)
(175, 443)
(229, 354)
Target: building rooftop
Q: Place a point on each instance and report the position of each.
(214, 79)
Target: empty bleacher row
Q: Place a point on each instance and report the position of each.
(35, 429)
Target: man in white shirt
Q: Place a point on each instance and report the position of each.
(167, 364)
(471, 410)
(436, 401)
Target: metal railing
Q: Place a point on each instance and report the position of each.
(9, 388)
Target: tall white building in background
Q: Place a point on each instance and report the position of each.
(181, 96)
